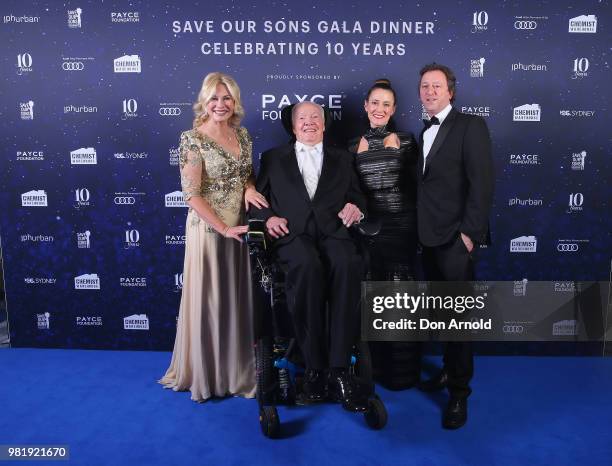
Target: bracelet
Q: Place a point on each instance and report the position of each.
(225, 231)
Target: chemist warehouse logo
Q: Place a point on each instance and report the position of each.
(272, 104)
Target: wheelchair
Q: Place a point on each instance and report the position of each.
(279, 364)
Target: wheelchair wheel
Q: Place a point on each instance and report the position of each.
(264, 371)
(269, 422)
(376, 415)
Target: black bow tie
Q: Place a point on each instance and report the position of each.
(429, 123)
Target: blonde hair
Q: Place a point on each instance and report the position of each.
(209, 87)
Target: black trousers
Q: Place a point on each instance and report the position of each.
(453, 262)
(322, 270)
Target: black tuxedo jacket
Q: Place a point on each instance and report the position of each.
(280, 181)
(455, 192)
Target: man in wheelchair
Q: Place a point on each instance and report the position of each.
(314, 198)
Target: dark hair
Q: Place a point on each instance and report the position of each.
(382, 83)
(450, 76)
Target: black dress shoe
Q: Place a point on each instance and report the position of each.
(436, 383)
(314, 385)
(343, 388)
(455, 414)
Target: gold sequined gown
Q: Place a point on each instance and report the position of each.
(213, 351)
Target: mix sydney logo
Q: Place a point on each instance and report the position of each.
(127, 64)
(26, 109)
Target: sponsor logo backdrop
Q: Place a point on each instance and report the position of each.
(96, 96)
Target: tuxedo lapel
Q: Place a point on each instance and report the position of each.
(292, 170)
(445, 128)
(327, 171)
(421, 159)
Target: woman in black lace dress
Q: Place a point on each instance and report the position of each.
(386, 161)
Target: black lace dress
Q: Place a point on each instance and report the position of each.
(389, 180)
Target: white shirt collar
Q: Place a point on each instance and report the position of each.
(299, 147)
(444, 113)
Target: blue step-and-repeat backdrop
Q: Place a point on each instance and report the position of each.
(95, 95)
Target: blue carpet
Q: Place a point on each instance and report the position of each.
(107, 407)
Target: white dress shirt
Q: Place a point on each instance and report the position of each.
(430, 134)
(310, 163)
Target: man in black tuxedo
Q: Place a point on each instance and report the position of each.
(455, 193)
(314, 196)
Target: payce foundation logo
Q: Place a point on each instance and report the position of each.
(127, 64)
(88, 321)
(125, 17)
(483, 111)
(524, 244)
(272, 104)
(527, 112)
(133, 282)
(30, 155)
(524, 159)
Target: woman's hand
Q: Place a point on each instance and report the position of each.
(235, 232)
(392, 141)
(252, 197)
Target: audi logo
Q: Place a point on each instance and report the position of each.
(124, 200)
(169, 111)
(73, 66)
(513, 329)
(525, 25)
(567, 247)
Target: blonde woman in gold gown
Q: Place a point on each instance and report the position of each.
(213, 351)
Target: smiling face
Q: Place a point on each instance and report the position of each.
(308, 124)
(220, 107)
(380, 107)
(434, 92)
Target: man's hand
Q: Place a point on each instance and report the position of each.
(277, 227)
(350, 214)
(468, 242)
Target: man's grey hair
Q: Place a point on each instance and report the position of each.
(296, 106)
